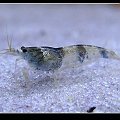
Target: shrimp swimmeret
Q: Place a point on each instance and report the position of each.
(50, 59)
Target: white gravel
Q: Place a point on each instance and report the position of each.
(73, 90)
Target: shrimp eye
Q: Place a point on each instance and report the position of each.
(23, 49)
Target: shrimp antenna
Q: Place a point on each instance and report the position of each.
(10, 50)
(9, 42)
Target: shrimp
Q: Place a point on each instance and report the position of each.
(50, 59)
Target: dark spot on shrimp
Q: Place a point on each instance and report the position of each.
(23, 49)
(82, 53)
(103, 53)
